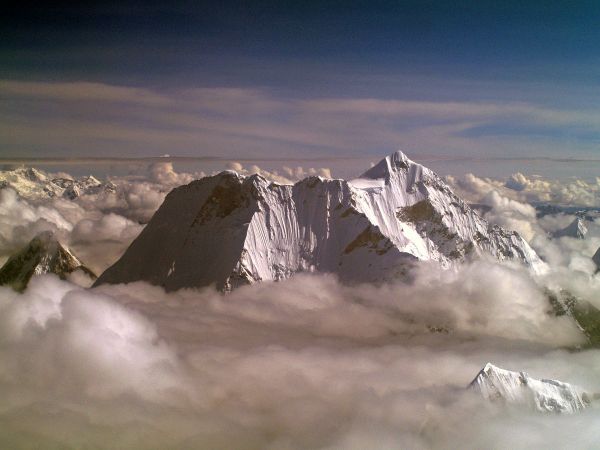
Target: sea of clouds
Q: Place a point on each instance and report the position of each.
(304, 363)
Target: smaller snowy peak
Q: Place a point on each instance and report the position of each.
(576, 229)
(32, 174)
(34, 184)
(43, 254)
(518, 388)
(90, 180)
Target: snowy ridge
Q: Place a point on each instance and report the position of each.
(413, 204)
(230, 230)
(496, 384)
(31, 183)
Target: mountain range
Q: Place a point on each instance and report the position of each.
(230, 230)
(31, 183)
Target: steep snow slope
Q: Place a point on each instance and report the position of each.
(518, 388)
(43, 254)
(230, 230)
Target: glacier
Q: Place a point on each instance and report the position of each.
(229, 230)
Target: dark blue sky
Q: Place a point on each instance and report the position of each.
(543, 55)
(154, 41)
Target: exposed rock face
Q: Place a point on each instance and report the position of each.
(576, 229)
(585, 315)
(596, 259)
(229, 230)
(518, 388)
(43, 254)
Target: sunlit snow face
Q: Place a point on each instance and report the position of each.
(98, 224)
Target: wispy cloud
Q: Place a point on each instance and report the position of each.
(85, 119)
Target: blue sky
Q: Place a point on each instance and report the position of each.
(339, 78)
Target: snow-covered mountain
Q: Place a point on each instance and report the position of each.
(34, 184)
(43, 254)
(230, 230)
(576, 229)
(518, 388)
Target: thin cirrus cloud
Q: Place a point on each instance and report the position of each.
(84, 118)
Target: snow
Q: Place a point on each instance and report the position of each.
(367, 183)
(230, 230)
(496, 384)
(33, 184)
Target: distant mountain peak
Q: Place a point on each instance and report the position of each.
(518, 388)
(230, 229)
(33, 174)
(575, 229)
(32, 183)
(43, 254)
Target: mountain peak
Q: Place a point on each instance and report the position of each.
(43, 254)
(496, 384)
(395, 162)
(576, 229)
(32, 174)
(228, 230)
(34, 184)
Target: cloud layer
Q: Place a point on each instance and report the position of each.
(305, 363)
(532, 189)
